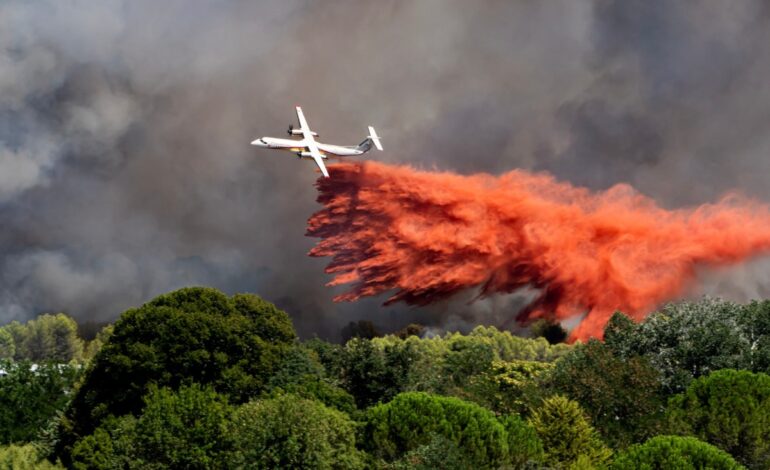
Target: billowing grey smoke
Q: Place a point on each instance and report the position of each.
(125, 169)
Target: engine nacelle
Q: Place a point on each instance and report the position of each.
(293, 131)
(305, 154)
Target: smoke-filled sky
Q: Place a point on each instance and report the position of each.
(126, 169)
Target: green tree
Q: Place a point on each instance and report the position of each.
(439, 453)
(719, 335)
(567, 434)
(524, 445)
(110, 447)
(24, 457)
(622, 396)
(292, 432)
(46, 338)
(508, 387)
(19, 333)
(92, 347)
(184, 429)
(729, 409)
(331, 356)
(302, 374)
(685, 453)
(371, 374)
(234, 344)
(412, 419)
(7, 345)
(446, 364)
(31, 395)
(187, 428)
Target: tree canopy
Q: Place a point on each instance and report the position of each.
(682, 453)
(566, 434)
(729, 409)
(622, 396)
(289, 431)
(687, 340)
(412, 420)
(233, 344)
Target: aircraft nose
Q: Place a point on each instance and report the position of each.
(259, 143)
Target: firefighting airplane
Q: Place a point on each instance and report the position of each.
(308, 147)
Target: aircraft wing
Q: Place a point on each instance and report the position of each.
(310, 142)
(319, 161)
(306, 132)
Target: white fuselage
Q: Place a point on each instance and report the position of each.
(299, 146)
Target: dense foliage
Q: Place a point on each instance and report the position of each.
(198, 379)
(730, 409)
(24, 457)
(234, 344)
(45, 338)
(621, 396)
(412, 420)
(567, 435)
(684, 341)
(683, 453)
(293, 432)
(31, 395)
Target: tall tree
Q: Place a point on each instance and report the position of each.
(413, 419)
(566, 434)
(682, 453)
(729, 409)
(293, 432)
(622, 396)
(719, 334)
(7, 345)
(30, 396)
(233, 344)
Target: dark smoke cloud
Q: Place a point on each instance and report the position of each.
(125, 169)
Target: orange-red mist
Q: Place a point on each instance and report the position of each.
(424, 236)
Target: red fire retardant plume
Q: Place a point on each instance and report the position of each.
(425, 236)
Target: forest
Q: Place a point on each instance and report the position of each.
(201, 380)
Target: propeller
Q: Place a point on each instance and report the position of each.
(291, 129)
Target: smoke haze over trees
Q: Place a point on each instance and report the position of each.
(125, 169)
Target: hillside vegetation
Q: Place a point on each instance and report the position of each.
(200, 380)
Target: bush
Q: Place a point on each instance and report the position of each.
(233, 344)
(729, 409)
(413, 420)
(290, 431)
(566, 434)
(685, 453)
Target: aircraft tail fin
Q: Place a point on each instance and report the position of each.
(371, 140)
(375, 138)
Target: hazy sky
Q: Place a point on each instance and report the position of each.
(126, 170)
